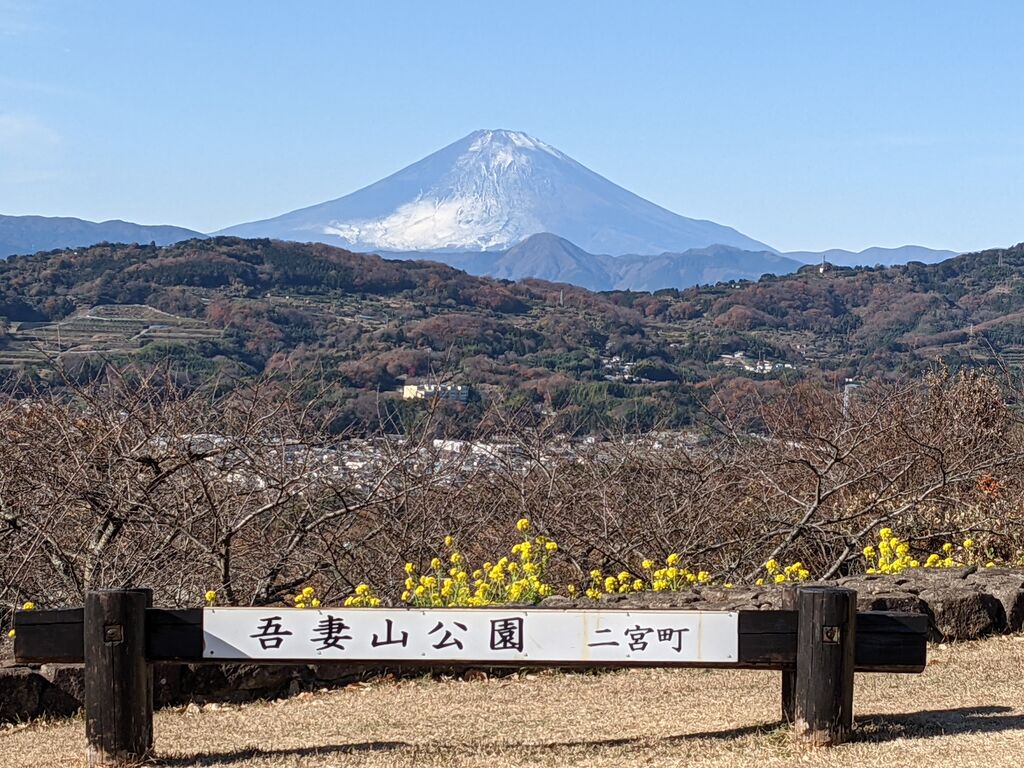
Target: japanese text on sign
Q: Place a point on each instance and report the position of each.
(484, 635)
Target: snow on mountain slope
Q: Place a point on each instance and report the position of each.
(489, 191)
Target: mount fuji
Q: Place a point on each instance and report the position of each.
(489, 191)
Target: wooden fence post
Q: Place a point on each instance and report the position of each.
(788, 675)
(118, 680)
(826, 627)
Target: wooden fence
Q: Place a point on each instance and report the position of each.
(818, 642)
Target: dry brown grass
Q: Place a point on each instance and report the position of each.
(969, 703)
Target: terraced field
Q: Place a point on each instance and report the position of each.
(105, 330)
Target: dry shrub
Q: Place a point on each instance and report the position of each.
(134, 481)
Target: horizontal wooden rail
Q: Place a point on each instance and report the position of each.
(818, 643)
(885, 642)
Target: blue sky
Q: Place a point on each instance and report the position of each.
(806, 125)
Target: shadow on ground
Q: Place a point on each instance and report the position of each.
(937, 722)
(870, 728)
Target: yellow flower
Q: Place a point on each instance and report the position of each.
(551, 546)
(29, 606)
(523, 524)
(571, 589)
(315, 603)
(947, 547)
(647, 565)
(989, 564)
(406, 596)
(869, 552)
(672, 559)
(448, 541)
(885, 533)
(410, 568)
(771, 566)
(435, 563)
(727, 585)
(779, 578)
(10, 633)
(968, 543)
(638, 585)
(210, 596)
(308, 592)
(759, 582)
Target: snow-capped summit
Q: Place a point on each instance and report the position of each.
(488, 191)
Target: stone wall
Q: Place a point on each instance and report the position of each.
(960, 604)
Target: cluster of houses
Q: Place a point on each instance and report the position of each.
(456, 392)
(761, 365)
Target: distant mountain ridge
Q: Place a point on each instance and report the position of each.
(549, 257)
(504, 204)
(871, 256)
(30, 234)
(488, 191)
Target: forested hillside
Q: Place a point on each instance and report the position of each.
(364, 325)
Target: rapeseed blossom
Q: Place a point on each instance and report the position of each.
(894, 555)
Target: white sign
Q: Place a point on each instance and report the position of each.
(470, 635)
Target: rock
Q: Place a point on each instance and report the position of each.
(891, 601)
(557, 601)
(916, 580)
(1008, 588)
(237, 682)
(962, 613)
(654, 600)
(167, 686)
(21, 693)
(69, 678)
(64, 692)
(867, 583)
(720, 595)
(338, 674)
